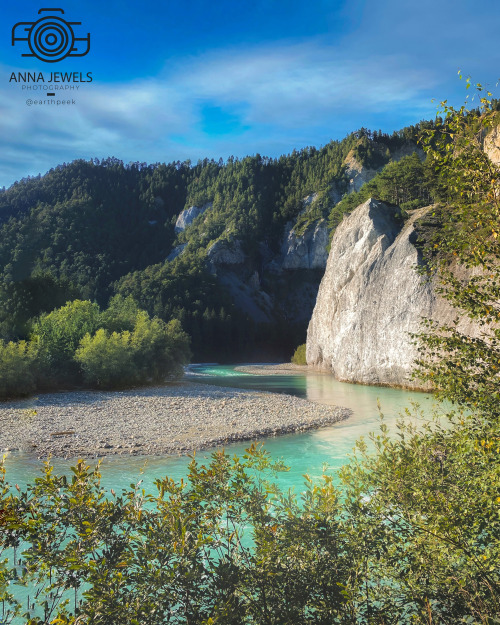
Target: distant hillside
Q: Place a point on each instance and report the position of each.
(235, 249)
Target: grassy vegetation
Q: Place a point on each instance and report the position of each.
(299, 356)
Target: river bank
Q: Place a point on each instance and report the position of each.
(286, 368)
(171, 419)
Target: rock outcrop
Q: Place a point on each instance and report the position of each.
(492, 145)
(177, 251)
(226, 253)
(371, 298)
(188, 215)
(357, 174)
(308, 250)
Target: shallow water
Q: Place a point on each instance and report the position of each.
(304, 453)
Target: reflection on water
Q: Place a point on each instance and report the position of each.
(305, 453)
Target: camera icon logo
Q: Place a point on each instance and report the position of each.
(51, 38)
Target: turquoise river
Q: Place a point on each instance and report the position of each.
(304, 453)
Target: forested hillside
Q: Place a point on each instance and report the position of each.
(91, 229)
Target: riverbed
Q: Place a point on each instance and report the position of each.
(305, 452)
(173, 419)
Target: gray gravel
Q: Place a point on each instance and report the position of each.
(287, 368)
(171, 419)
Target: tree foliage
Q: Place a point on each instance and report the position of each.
(299, 356)
(410, 535)
(18, 368)
(153, 351)
(80, 344)
(58, 335)
(464, 255)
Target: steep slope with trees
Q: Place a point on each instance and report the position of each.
(91, 229)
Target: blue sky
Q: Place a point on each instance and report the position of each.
(175, 80)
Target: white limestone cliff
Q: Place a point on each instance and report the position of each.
(308, 250)
(371, 298)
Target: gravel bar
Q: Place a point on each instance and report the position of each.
(171, 419)
(287, 368)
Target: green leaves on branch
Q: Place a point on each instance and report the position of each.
(18, 368)
(464, 255)
(151, 352)
(299, 356)
(409, 536)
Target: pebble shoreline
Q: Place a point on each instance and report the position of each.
(287, 368)
(171, 419)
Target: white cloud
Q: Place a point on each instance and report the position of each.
(290, 84)
(281, 92)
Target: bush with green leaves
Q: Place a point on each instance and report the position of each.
(18, 368)
(152, 352)
(120, 314)
(58, 335)
(78, 344)
(464, 255)
(299, 356)
(107, 360)
(409, 535)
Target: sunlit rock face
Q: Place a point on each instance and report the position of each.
(357, 175)
(371, 299)
(188, 215)
(492, 145)
(308, 250)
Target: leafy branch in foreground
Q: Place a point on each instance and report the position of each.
(409, 536)
(464, 254)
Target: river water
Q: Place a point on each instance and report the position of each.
(304, 453)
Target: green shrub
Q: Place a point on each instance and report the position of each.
(153, 351)
(59, 333)
(299, 357)
(120, 314)
(107, 360)
(18, 368)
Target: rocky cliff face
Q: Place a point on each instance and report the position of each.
(308, 250)
(357, 175)
(371, 298)
(188, 215)
(492, 145)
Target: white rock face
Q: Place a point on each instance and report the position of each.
(492, 145)
(307, 251)
(226, 253)
(309, 199)
(371, 298)
(177, 251)
(357, 175)
(188, 215)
